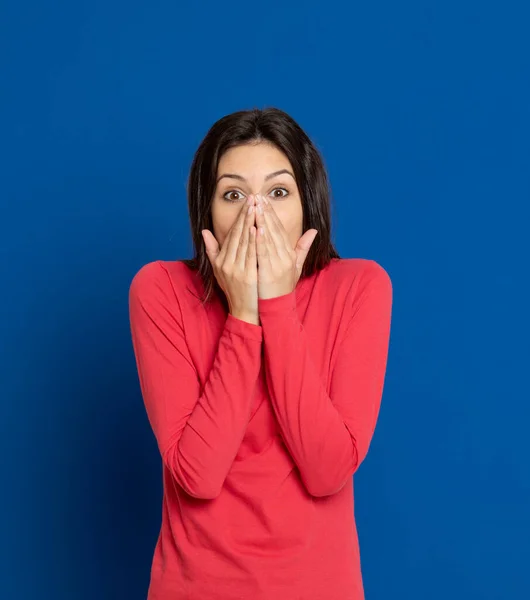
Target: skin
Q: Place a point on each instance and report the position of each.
(254, 162)
(251, 196)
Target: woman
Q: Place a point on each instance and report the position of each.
(261, 364)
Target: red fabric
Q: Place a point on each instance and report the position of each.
(260, 429)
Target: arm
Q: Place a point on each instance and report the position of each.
(328, 435)
(198, 431)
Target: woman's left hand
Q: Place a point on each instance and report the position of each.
(280, 266)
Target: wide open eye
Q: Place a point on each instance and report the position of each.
(232, 199)
(275, 197)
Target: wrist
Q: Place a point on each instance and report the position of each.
(247, 317)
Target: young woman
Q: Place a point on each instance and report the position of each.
(261, 363)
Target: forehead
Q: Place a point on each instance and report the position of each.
(251, 158)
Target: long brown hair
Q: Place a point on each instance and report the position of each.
(277, 127)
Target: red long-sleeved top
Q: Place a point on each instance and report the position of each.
(260, 429)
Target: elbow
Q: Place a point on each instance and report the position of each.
(332, 478)
(201, 492)
(195, 484)
(325, 486)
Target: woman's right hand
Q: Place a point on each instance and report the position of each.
(235, 265)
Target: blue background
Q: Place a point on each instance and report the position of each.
(422, 113)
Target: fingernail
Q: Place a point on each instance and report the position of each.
(249, 199)
(250, 209)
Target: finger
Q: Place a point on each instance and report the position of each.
(276, 230)
(262, 247)
(235, 231)
(252, 259)
(211, 244)
(245, 235)
(303, 246)
(261, 223)
(232, 232)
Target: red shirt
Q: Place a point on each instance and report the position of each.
(260, 429)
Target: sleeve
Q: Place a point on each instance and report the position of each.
(328, 435)
(198, 431)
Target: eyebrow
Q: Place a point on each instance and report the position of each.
(269, 176)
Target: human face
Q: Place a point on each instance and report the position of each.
(252, 164)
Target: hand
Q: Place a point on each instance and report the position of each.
(280, 266)
(235, 265)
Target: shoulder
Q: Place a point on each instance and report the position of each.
(363, 292)
(359, 273)
(159, 278)
(358, 282)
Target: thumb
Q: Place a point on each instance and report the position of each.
(303, 246)
(211, 244)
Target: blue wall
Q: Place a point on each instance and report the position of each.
(421, 110)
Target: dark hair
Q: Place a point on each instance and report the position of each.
(278, 128)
